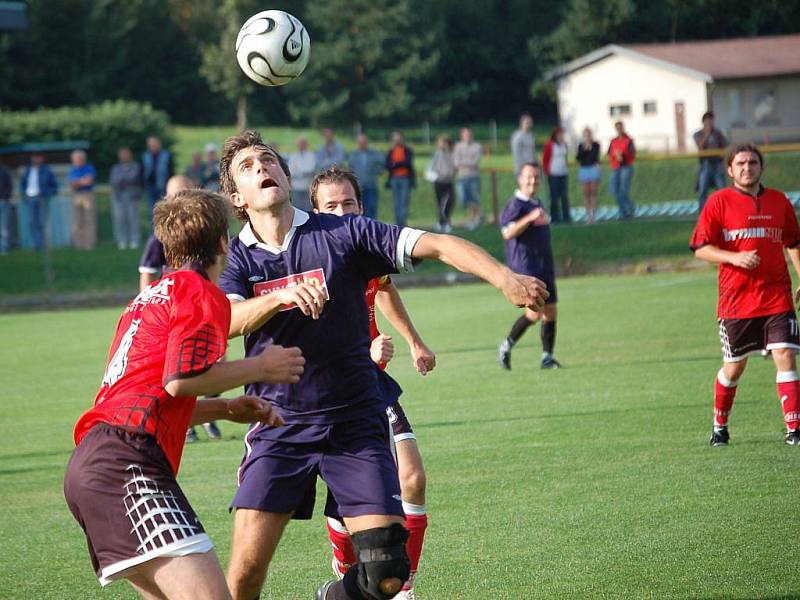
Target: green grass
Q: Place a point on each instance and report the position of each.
(592, 481)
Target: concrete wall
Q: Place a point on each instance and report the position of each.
(585, 97)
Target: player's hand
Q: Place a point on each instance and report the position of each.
(281, 365)
(525, 291)
(381, 349)
(423, 358)
(252, 409)
(538, 216)
(746, 260)
(306, 296)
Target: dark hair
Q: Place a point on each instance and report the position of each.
(555, 132)
(531, 163)
(246, 139)
(707, 115)
(333, 174)
(190, 225)
(744, 148)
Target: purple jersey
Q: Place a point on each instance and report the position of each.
(341, 254)
(153, 260)
(529, 253)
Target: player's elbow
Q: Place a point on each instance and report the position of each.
(176, 388)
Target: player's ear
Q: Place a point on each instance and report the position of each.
(222, 246)
(237, 200)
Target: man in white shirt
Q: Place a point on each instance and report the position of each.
(523, 145)
(303, 166)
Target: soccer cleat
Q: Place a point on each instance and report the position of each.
(550, 363)
(191, 435)
(322, 591)
(719, 437)
(792, 438)
(212, 430)
(504, 355)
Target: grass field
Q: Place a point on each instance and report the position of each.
(592, 481)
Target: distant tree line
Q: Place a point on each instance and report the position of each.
(389, 61)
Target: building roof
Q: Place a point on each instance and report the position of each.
(709, 60)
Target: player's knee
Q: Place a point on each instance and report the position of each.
(246, 578)
(412, 485)
(383, 565)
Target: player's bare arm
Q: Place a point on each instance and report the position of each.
(518, 227)
(794, 256)
(242, 409)
(746, 260)
(249, 315)
(391, 305)
(275, 364)
(519, 290)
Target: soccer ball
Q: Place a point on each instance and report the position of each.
(273, 47)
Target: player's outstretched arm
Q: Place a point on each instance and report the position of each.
(391, 305)
(242, 409)
(249, 315)
(745, 260)
(519, 290)
(275, 364)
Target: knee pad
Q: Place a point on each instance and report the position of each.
(383, 565)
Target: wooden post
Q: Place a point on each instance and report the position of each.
(494, 197)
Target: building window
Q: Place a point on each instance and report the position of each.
(650, 107)
(619, 110)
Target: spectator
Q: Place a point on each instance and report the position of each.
(158, 168)
(400, 164)
(126, 191)
(37, 186)
(81, 180)
(621, 154)
(330, 153)
(209, 179)
(5, 210)
(467, 160)
(366, 164)
(711, 173)
(589, 173)
(195, 170)
(554, 161)
(441, 172)
(523, 145)
(303, 167)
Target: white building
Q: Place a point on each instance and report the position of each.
(660, 91)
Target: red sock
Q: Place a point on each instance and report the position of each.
(416, 523)
(789, 395)
(724, 393)
(343, 554)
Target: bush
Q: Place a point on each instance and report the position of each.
(105, 126)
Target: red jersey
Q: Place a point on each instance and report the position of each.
(372, 289)
(735, 221)
(175, 328)
(624, 145)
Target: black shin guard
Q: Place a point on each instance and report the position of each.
(519, 327)
(383, 565)
(548, 336)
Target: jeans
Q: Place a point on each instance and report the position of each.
(620, 184)
(469, 189)
(369, 198)
(401, 194)
(126, 218)
(5, 226)
(711, 175)
(36, 213)
(444, 200)
(559, 201)
(154, 194)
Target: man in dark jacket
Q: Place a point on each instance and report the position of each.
(5, 210)
(37, 186)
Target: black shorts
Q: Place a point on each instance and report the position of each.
(121, 490)
(741, 337)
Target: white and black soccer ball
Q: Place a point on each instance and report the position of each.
(273, 47)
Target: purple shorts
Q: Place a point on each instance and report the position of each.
(281, 464)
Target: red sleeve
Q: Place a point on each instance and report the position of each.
(546, 156)
(708, 230)
(198, 328)
(791, 232)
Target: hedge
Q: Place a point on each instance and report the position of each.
(106, 126)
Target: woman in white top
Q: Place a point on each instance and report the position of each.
(554, 159)
(440, 173)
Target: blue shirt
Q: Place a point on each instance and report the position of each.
(76, 173)
(367, 165)
(342, 254)
(529, 253)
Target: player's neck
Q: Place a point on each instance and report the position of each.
(271, 226)
(751, 190)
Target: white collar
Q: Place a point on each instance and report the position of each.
(249, 239)
(518, 194)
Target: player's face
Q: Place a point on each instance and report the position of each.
(259, 178)
(528, 181)
(338, 199)
(745, 169)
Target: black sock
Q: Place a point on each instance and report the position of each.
(548, 336)
(520, 326)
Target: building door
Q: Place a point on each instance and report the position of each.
(680, 125)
